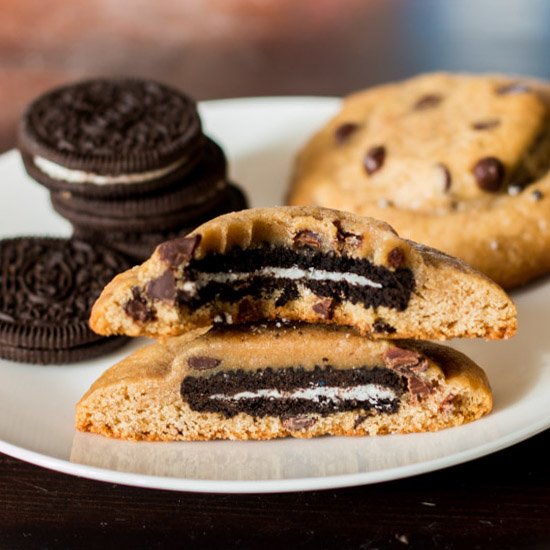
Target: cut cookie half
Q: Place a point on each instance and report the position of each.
(263, 382)
(304, 264)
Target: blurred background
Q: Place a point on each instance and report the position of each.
(230, 48)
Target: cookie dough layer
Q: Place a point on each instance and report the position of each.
(458, 162)
(355, 386)
(303, 264)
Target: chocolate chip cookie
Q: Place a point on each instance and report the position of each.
(304, 264)
(457, 162)
(249, 383)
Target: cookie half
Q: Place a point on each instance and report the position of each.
(47, 288)
(110, 137)
(303, 264)
(265, 382)
(458, 162)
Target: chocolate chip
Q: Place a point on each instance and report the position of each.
(381, 326)
(163, 287)
(374, 159)
(324, 308)
(297, 423)
(398, 358)
(417, 386)
(137, 307)
(359, 420)
(177, 251)
(512, 89)
(203, 362)
(486, 124)
(248, 311)
(396, 257)
(307, 238)
(344, 132)
(537, 195)
(351, 239)
(427, 101)
(446, 177)
(489, 173)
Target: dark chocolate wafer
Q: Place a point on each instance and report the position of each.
(47, 288)
(110, 137)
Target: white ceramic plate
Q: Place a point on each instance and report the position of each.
(260, 137)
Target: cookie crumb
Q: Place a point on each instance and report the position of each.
(514, 189)
(493, 245)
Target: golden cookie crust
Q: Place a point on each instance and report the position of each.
(435, 129)
(449, 299)
(139, 398)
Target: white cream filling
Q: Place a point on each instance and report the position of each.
(58, 172)
(365, 392)
(293, 273)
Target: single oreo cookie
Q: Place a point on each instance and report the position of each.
(47, 289)
(202, 192)
(108, 138)
(138, 246)
(199, 189)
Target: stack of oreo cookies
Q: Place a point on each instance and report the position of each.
(126, 162)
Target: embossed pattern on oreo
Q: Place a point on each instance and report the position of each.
(47, 288)
(111, 126)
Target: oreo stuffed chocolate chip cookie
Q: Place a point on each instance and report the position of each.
(457, 162)
(304, 264)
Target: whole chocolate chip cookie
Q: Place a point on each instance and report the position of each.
(110, 137)
(457, 162)
(47, 288)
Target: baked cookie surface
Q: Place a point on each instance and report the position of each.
(454, 161)
(303, 264)
(262, 382)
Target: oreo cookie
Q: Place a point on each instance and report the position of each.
(111, 137)
(138, 246)
(47, 288)
(201, 192)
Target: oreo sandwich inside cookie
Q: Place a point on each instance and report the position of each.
(47, 288)
(110, 137)
(303, 264)
(264, 381)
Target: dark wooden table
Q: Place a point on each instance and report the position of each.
(225, 48)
